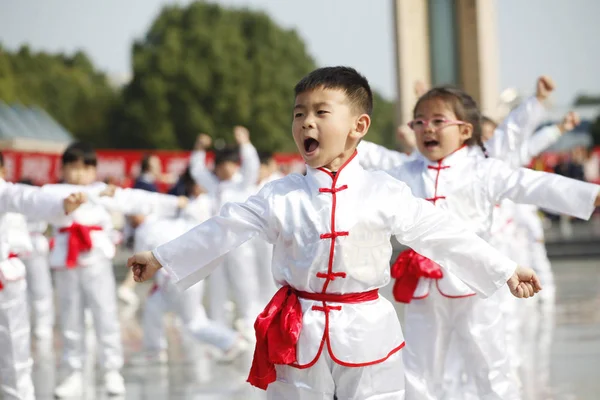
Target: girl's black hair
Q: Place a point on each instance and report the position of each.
(465, 108)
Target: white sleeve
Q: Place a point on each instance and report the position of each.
(539, 142)
(201, 174)
(516, 129)
(137, 201)
(249, 165)
(549, 191)
(372, 156)
(437, 235)
(194, 255)
(31, 201)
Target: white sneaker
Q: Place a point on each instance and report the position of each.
(114, 383)
(239, 347)
(71, 386)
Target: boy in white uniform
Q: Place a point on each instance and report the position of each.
(327, 332)
(82, 261)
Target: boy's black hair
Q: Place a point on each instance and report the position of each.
(145, 163)
(464, 106)
(1, 160)
(265, 157)
(80, 151)
(347, 79)
(226, 154)
(26, 181)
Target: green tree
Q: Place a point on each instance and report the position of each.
(205, 68)
(68, 87)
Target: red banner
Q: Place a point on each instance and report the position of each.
(120, 166)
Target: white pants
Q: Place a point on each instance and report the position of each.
(238, 275)
(15, 357)
(188, 307)
(264, 257)
(90, 287)
(39, 284)
(326, 379)
(478, 326)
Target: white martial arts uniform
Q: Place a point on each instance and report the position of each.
(39, 282)
(15, 359)
(238, 278)
(331, 236)
(469, 186)
(82, 262)
(164, 296)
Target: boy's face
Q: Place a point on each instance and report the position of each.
(325, 127)
(487, 131)
(226, 170)
(77, 173)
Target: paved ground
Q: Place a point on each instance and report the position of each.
(573, 372)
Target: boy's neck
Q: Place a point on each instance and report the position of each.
(339, 161)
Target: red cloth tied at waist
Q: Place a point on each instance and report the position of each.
(409, 267)
(80, 240)
(278, 328)
(10, 255)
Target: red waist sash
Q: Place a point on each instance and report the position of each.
(80, 240)
(278, 329)
(409, 267)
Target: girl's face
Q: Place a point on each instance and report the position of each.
(438, 130)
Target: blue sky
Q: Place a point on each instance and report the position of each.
(556, 37)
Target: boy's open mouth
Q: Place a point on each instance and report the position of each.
(310, 145)
(431, 143)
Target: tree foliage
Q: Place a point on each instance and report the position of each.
(68, 87)
(200, 68)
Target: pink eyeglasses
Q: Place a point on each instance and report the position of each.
(420, 124)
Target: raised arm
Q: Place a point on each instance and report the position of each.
(250, 162)
(437, 235)
(194, 255)
(137, 201)
(549, 191)
(198, 170)
(375, 157)
(521, 123)
(547, 136)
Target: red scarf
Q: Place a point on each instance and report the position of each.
(407, 270)
(278, 328)
(80, 240)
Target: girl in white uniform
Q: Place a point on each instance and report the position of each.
(82, 261)
(15, 360)
(327, 332)
(454, 174)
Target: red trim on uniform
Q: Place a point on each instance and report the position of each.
(462, 296)
(13, 255)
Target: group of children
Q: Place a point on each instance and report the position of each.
(327, 333)
(313, 250)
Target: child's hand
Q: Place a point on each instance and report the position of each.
(241, 134)
(73, 201)
(182, 202)
(203, 142)
(109, 191)
(420, 88)
(144, 265)
(545, 86)
(524, 283)
(569, 122)
(597, 203)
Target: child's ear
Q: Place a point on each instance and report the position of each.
(466, 132)
(361, 126)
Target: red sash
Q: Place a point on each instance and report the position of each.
(278, 329)
(10, 255)
(407, 270)
(80, 240)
